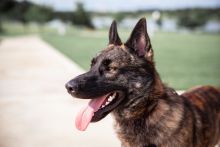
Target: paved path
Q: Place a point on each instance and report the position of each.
(35, 109)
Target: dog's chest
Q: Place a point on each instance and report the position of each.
(132, 134)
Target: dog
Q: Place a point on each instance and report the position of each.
(123, 81)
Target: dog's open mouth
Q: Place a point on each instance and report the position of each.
(97, 109)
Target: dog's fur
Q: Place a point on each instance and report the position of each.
(151, 114)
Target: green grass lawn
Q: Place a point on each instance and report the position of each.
(183, 60)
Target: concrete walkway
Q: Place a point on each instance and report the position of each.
(35, 109)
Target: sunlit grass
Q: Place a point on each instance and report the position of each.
(17, 29)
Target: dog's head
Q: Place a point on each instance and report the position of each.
(119, 79)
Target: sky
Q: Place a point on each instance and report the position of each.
(127, 5)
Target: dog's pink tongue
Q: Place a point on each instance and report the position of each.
(85, 115)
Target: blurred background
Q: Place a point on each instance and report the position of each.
(44, 43)
(184, 34)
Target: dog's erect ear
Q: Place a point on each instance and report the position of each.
(113, 34)
(140, 41)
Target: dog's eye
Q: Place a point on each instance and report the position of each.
(108, 65)
(106, 62)
(112, 69)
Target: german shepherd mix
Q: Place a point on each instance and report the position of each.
(123, 80)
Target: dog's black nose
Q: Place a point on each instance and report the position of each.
(71, 87)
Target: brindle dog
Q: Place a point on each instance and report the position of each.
(123, 80)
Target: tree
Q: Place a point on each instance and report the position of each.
(119, 16)
(82, 17)
(39, 14)
(192, 19)
(18, 13)
(5, 7)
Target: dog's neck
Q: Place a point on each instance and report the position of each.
(153, 112)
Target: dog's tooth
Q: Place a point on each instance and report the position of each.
(103, 106)
(107, 103)
(110, 98)
(114, 94)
